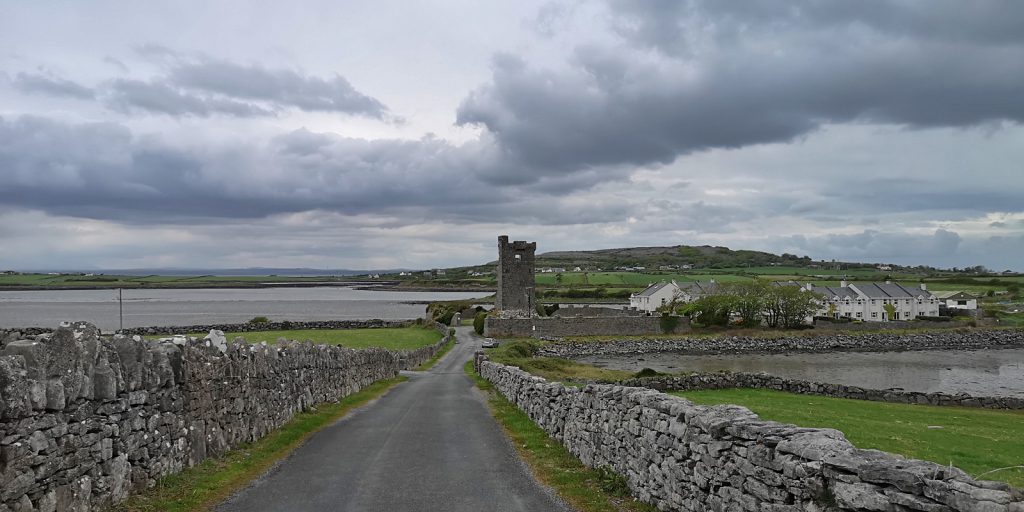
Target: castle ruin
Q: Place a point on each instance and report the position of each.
(515, 277)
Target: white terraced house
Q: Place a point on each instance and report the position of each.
(867, 301)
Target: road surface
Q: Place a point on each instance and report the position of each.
(429, 444)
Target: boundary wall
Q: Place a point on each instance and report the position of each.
(84, 419)
(726, 380)
(966, 339)
(680, 456)
(581, 326)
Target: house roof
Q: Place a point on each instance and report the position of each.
(698, 288)
(954, 295)
(831, 292)
(890, 291)
(652, 289)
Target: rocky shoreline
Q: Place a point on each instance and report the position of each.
(874, 342)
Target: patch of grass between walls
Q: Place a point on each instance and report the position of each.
(585, 489)
(207, 484)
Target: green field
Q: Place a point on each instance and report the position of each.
(402, 338)
(975, 440)
(632, 279)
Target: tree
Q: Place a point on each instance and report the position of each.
(710, 310)
(748, 301)
(789, 306)
(890, 310)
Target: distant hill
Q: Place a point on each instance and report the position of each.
(704, 256)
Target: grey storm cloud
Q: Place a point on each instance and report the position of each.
(202, 87)
(104, 171)
(726, 80)
(136, 95)
(34, 83)
(279, 87)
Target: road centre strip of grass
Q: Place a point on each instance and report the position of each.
(585, 489)
(203, 486)
(978, 441)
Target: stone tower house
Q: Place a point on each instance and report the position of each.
(515, 276)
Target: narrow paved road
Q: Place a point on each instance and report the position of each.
(429, 444)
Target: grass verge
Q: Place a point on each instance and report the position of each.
(520, 352)
(587, 490)
(204, 486)
(978, 441)
(429, 363)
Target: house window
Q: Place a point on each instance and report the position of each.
(874, 314)
(961, 303)
(519, 256)
(872, 301)
(859, 314)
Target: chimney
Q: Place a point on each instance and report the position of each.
(924, 287)
(810, 287)
(843, 284)
(888, 281)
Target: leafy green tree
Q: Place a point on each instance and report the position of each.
(890, 310)
(710, 310)
(789, 306)
(748, 301)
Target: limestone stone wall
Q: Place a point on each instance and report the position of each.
(873, 342)
(269, 326)
(681, 456)
(84, 419)
(580, 326)
(725, 380)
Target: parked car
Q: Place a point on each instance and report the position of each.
(489, 343)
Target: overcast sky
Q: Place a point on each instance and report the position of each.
(392, 134)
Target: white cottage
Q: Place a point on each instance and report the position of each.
(654, 296)
(958, 300)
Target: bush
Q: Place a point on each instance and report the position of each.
(646, 372)
(478, 322)
(521, 349)
(260, 320)
(934, 318)
(443, 312)
(669, 323)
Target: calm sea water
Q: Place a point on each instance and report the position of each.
(977, 372)
(209, 306)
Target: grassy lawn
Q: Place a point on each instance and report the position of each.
(975, 440)
(402, 338)
(204, 486)
(520, 353)
(587, 490)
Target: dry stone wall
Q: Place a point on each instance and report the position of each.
(873, 342)
(681, 456)
(84, 419)
(725, 380)
(582, 326)
(270, 326)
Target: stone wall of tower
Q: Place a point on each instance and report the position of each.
(515, 276)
